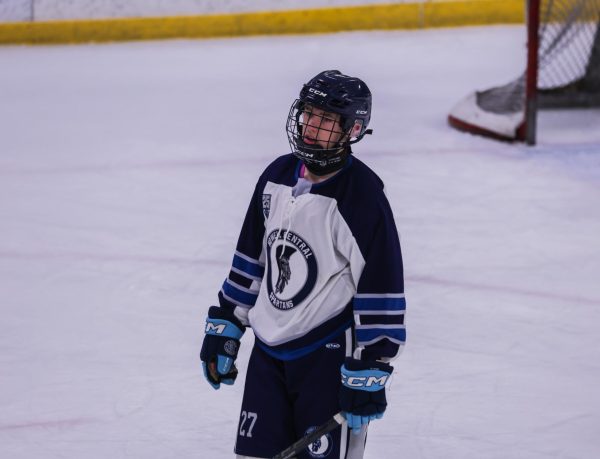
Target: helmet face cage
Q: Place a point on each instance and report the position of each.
(316, 136)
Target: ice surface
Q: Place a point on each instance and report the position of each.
(125, 172)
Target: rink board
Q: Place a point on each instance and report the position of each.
(323, 20)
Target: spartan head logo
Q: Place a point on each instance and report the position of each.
(321, 447)
(316, 445)
(283, 254)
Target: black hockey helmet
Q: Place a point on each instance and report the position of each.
(332, 92)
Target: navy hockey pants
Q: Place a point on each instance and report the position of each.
(284, 399)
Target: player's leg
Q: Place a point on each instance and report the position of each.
(266, 426)
(315, 381)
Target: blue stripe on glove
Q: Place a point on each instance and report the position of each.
(356, 422)
(221, 327)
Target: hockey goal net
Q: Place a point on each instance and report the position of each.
(563, 71)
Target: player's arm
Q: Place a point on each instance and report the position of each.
(379, 307)
(227, 322)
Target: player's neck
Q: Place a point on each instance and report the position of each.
(308, 175)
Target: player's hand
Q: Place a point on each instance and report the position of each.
(220, 347)
(362, 394)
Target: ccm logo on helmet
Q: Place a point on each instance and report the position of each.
(361, 112)
(215, 329)
(317, 92)
(364, 381)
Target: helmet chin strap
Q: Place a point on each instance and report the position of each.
(367, 132)
(320, 168)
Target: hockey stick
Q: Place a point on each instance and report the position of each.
(291, 452)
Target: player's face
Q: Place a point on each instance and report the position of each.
(320, 127)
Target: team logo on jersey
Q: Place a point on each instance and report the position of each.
(320, 447)
(266, 205)
(291, 269)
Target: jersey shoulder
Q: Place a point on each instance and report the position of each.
(283, 170)
(367, 180)
(362, 195)
(363, 204)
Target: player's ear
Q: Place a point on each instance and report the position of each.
(355, 131)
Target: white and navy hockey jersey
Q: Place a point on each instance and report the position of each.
(315, 259)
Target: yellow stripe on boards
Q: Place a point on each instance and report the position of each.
(324, 20)
(452, 14)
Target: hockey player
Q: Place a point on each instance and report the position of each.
(317, 275)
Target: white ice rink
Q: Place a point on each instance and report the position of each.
(126, 170)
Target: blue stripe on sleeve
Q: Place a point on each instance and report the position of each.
(239, 295)
(369, 334)
(379, 304)
(253, 269)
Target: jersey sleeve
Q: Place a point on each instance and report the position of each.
(379, 302)
(240, 289)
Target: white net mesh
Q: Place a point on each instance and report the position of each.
(568, 60)
(568, 31)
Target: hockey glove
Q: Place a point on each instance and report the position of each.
(220, 346)
(362, 394)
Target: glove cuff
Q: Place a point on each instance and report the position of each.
(357, 365)
(219, 312)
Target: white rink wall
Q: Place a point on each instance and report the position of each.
(15, 10)
(45, 10)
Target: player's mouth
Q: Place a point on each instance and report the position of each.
(309, 140)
